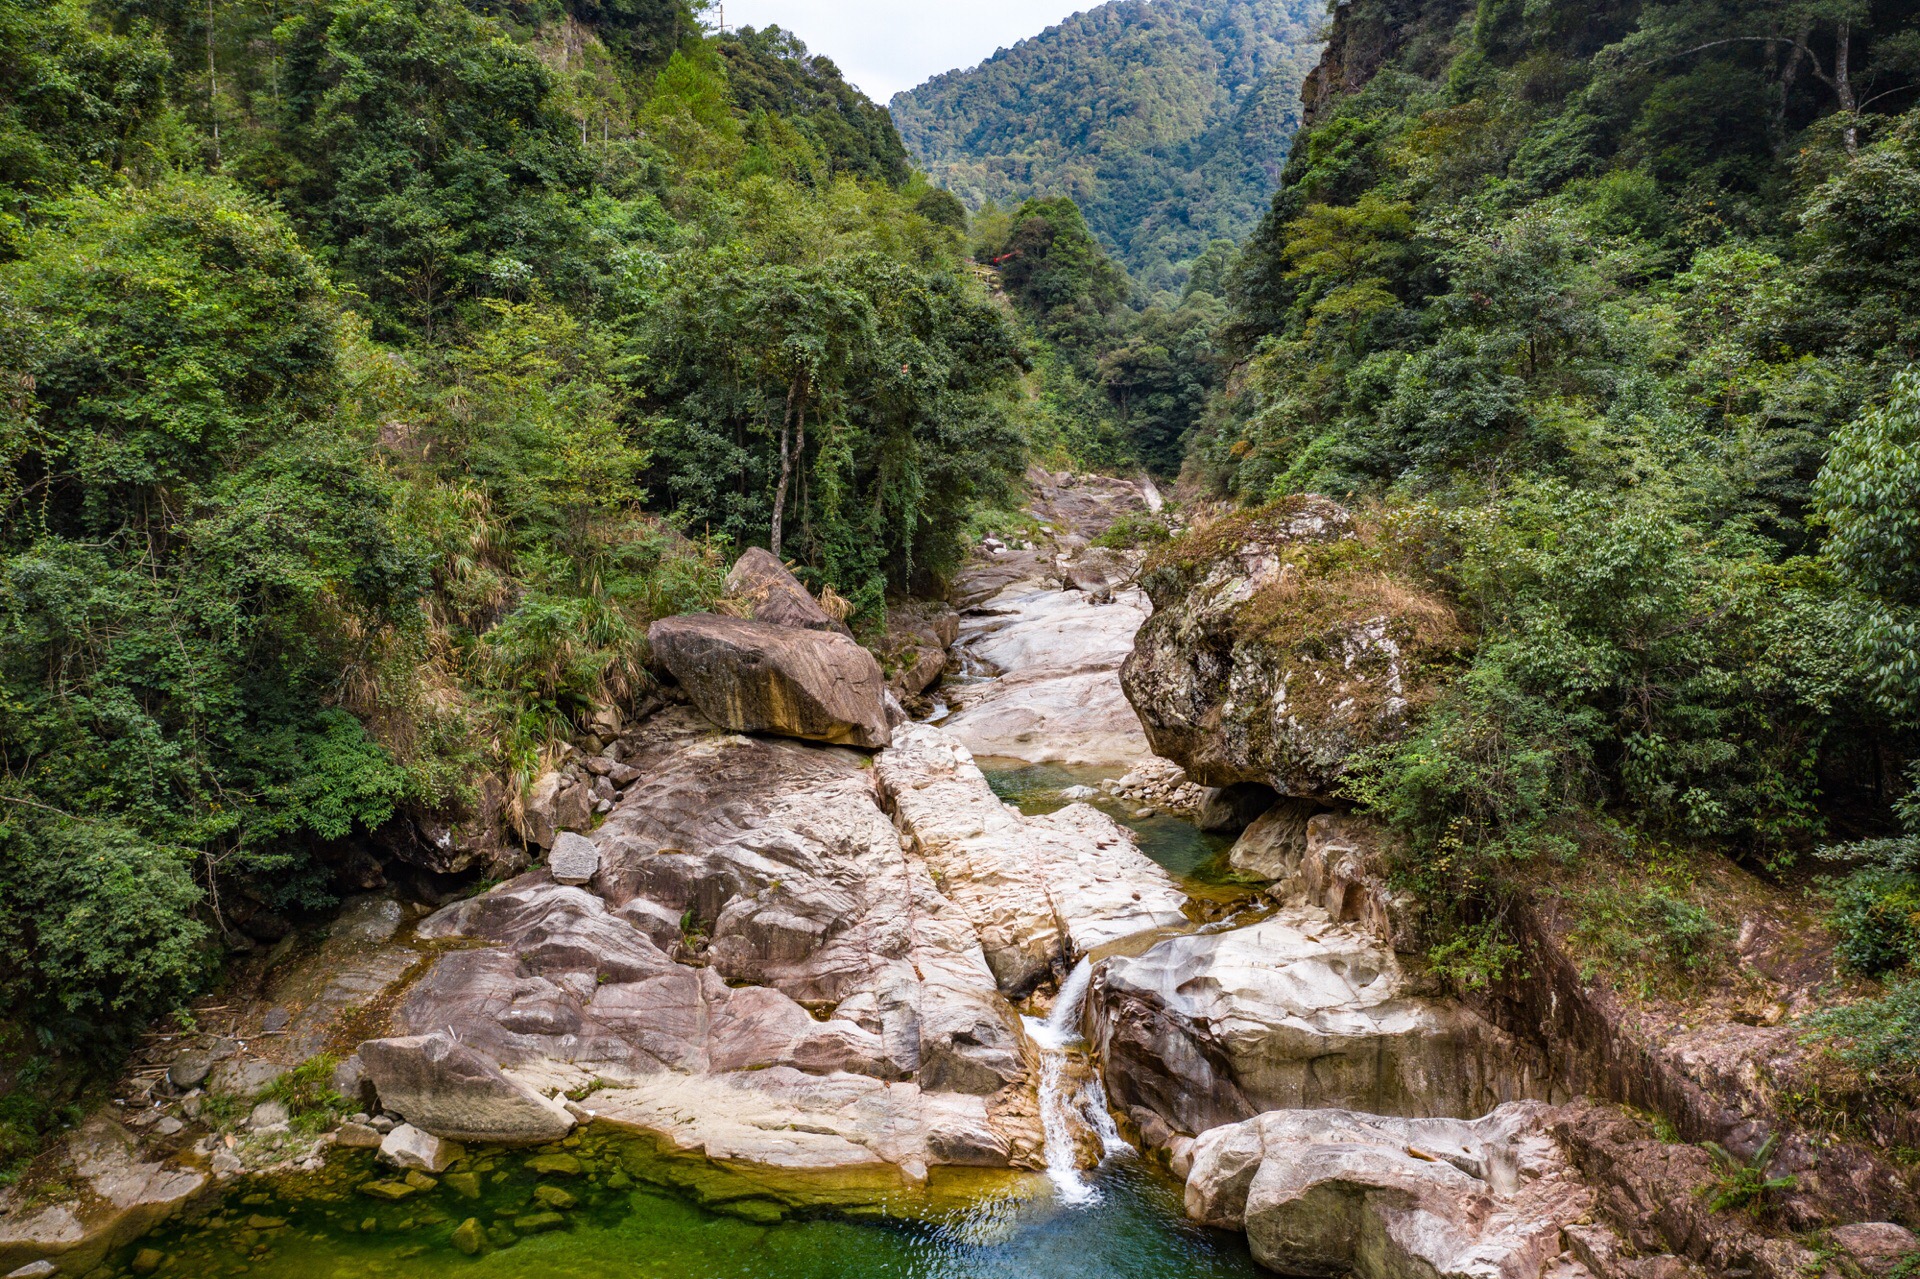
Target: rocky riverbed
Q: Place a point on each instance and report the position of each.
(786, 952)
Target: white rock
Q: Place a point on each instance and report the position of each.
(409, 1147)
(1294, 1011)
(1336, 1192)
(1058, 697)
(574, 860)
(34, 1270)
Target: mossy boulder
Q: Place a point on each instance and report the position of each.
(1283, 641)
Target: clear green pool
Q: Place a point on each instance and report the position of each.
(324, 1227)
(1193, 857)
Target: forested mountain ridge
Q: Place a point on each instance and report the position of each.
(1602, 314)
(1167, 121)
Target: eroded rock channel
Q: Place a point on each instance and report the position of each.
(811, 970)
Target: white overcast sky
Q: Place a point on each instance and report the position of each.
(885, 46)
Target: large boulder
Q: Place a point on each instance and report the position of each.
(1041, 891)
(445, 1088)
(755, 677)
(1271, 658)
(1331, 1192)
(121, 1196)
(773, 595)
(1294, 1011)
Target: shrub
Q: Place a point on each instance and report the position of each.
(1879, 1037)
(1876, 919)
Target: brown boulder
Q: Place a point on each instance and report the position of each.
(1271, 658)
(775, 596)
(443, 1087)
(754, 677)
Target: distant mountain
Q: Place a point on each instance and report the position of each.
(1166, 120)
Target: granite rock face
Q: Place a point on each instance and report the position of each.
(1057, 699)
(760, 973)
(1040, 891)
(1296, 1011)
(756, 677)
(1242, 675)
(1331, 1192)
(127, 1196)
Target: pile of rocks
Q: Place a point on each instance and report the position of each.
(1157, 784)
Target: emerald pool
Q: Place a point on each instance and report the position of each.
(323, 1226)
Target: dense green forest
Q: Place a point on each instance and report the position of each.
(374, 371)
(1167, 121)
(1604, 312)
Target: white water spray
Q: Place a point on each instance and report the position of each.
(1066, 1104)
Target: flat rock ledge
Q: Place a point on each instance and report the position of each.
(1042, 892)
(1332, 1192)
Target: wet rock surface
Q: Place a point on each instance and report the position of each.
(1294, 1011)
(1332, 1192)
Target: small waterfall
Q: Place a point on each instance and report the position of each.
(1067, 1103)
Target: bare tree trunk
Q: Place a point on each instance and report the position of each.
(1843, 86)
(786, 468)
(213, 87)
(1787, 79)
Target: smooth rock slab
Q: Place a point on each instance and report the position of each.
(1042, 891)
(755, 677)
(1333, 1192)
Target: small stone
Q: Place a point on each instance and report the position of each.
(419, 1180)
(537, 1222)
(168, 1126)
(391, 1191)
(190, 1070)
(275, 1021)
(409, 1147)
(470, 1236)
(1142, 814)
(555, 1165)
(464, 1184)
(574, 860)
(148, 1260)
(382, 1124)
(1878, 1246)
(34, 1270)
(619, 1181)
(369, 1224)
(226, 1164)
(357, 1136)
(269, 1114)
(257, 1222)
(554, 1197)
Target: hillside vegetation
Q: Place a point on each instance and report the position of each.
(1167, 121)
(374, 371)
(1609, 308)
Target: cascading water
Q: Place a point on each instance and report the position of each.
(1066, 1102)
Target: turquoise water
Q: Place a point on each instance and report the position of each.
(1193, 857)
(324, 1228)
